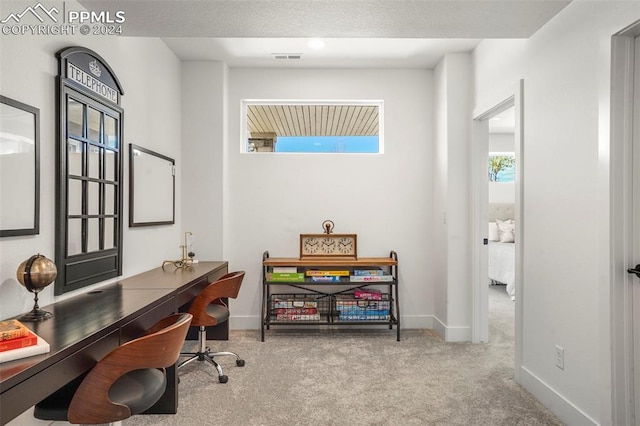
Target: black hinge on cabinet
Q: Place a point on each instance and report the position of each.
(485, 241)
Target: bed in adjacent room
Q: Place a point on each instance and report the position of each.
(502, 246)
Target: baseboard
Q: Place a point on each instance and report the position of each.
(439, 327)
(451, 334)
(556, 403)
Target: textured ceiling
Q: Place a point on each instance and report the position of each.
(359, 33)
(332, 18)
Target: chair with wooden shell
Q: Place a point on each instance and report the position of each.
(128, 380)
(208, 310)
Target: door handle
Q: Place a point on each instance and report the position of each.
(636, 270)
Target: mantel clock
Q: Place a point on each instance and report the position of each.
(328, 244)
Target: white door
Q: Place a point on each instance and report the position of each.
(635, 223)
(624, 225)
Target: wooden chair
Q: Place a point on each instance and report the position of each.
(207, 311)
(127, 381)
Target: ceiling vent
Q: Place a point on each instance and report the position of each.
(286, 55)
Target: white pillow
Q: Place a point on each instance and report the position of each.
(506, 230)
(494, 235)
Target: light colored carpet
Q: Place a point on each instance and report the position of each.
(349, 377)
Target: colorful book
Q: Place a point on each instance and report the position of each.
(326, 279)
(296, 317)
(21, 342)
(12, 329)
(358, 317)
(289, 304)
(39, 348)
(285, 276)
(368, 272)
(320, 273)
(372, 278)
(297, 311)
(368, 294)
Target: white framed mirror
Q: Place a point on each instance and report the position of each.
(151, 188)
(19, 168)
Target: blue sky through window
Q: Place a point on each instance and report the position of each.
(348, 144)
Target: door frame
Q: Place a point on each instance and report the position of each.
(620, 224)
(480, 147)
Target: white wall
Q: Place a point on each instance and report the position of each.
(150, 76)
(204, 130)
(271, 198)
(452, 183)
(565, 69)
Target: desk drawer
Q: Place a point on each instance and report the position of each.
(51, 379)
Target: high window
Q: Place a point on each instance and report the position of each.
(312, 126)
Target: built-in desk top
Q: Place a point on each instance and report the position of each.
(87, 326)
(171, 277)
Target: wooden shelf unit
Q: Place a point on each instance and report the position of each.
(326, 292)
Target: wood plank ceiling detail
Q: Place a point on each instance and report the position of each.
(313, 120)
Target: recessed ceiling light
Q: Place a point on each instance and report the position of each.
(316, 43)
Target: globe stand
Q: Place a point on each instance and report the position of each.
(34, 274)
(36, 313)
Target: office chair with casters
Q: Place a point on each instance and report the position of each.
(206, 313)
(128, 380)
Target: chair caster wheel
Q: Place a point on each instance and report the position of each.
(223, 379)
(240, 362)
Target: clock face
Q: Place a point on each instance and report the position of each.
(345, 245)
(328, 245)
(311, 245)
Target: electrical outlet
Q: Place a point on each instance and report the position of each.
(560, 357)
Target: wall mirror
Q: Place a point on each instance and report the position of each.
(151, 188)
(19, 168)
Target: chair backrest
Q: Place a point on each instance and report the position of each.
(159, 348)
(227, 286)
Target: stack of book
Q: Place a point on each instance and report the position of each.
(291, 309)
(370, 275)
(326, 276)
(17, 341)
(351, 308)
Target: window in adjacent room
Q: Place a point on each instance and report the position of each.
(312, 126)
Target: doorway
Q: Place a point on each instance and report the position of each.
(501, 223)
(624, 222)
(481, 148)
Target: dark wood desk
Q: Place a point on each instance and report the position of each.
(86, 327)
